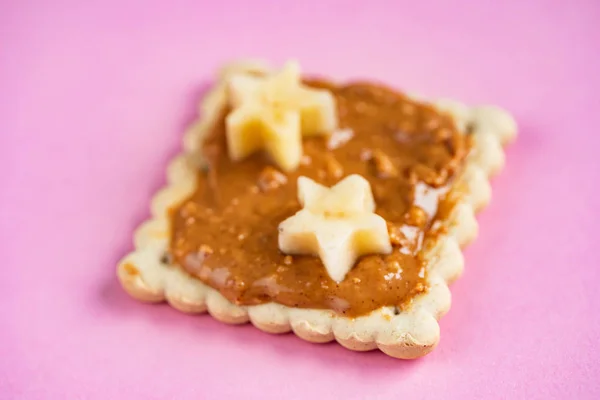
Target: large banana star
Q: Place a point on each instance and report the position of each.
(338, 224)
(272, 113)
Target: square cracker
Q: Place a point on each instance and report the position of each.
(410, 333)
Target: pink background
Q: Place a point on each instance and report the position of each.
(94, 97)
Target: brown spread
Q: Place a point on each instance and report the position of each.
(226, 232)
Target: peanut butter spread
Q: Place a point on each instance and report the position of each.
(225, 233)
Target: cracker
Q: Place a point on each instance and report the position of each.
(147, 275)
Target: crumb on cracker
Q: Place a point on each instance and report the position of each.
(334, 168)
(270, 179)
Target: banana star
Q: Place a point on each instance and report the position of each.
(338, 224)
(273, 113)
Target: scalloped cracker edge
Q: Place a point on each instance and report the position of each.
(410, 333)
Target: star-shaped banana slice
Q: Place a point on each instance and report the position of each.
(273, 113)
(338, 224)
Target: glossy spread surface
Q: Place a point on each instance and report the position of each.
(225, 233)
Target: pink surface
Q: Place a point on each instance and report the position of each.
(94, 97)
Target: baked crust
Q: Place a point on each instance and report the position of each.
(408, 333)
